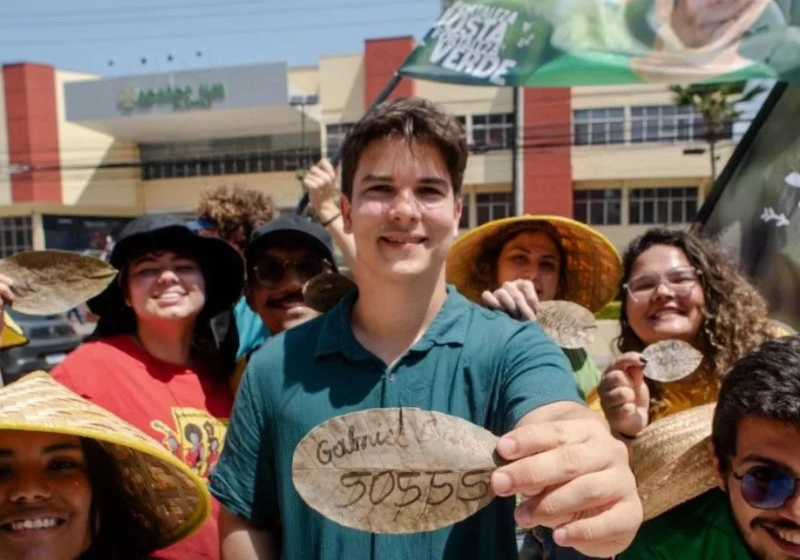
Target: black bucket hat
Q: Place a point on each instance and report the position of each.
(221, 264)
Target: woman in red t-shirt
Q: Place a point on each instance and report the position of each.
(162, 351)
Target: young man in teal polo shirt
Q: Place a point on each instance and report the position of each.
(408, 340)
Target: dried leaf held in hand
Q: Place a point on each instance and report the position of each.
(395, 470)
(324, 291)
(51, 282)
(568, 324)
(671, 360)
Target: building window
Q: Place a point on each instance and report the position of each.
(464, 222)
(599, 127)
(17, 236)
(226, 156)
(335, 134)
(662, 206)
(493, 206)
(598, 207)
(493, 132)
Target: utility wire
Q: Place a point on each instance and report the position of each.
(529, 134)
(205, 159)
(47, 14)
(190, 16)
(253, 31)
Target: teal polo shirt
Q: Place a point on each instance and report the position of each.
(473, 363)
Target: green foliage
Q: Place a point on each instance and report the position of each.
(715, 102)
(609, 312)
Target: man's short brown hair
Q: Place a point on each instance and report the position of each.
(412, 119)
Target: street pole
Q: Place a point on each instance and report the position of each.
(382, 96)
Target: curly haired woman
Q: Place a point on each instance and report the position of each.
(678, 285)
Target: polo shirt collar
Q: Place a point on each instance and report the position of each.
(448, 328)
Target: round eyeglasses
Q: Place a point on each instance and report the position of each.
(767, 487)
(680, 281)
(271, 271)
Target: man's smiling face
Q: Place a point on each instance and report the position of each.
(279, 303)
(402, 211)
(772, 534)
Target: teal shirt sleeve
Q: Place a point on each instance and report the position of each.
(251, 329)
(587, 376)
(535, 373)
(245, 479)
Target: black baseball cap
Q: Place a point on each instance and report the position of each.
(290, 227)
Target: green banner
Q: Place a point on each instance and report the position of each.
(554, 43)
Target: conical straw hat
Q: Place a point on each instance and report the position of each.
(594, 267)
(671, 462)
(174, 502)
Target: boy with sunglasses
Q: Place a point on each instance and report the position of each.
(754, 514)
(282, 256)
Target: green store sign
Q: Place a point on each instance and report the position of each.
(180, 98)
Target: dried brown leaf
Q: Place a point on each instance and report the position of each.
(395, 470)
(570, 325)
(51, 282)
(324, 291)
(671, 360)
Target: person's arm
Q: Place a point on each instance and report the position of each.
(624, 395)
(320, 182)
(562, 458)
(10, 333)
(245, 481)
(241, 541)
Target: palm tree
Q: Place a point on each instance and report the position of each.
(716, 104)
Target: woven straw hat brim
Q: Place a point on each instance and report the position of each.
(671, 462)
(174, 501)
(594, 267)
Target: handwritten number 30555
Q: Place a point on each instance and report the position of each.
(379, 486)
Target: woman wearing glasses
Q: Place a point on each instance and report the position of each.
(677, 286)
(159, 358)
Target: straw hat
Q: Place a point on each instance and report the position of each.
(594, 267)
(174, 501)
(671, 462)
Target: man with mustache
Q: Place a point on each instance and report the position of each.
(282, 256)
(754, 446)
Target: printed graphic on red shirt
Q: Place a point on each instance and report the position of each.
(197, 438)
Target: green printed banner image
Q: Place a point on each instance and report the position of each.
(557, 43)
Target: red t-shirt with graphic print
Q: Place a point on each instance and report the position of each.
(185, 409)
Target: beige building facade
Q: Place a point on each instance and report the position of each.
(82, 154)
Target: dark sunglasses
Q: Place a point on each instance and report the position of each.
(271, 271)
(767, 487)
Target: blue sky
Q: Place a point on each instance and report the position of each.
(89, 33)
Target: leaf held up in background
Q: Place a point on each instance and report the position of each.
(568, 324)
(52, 282)
(671, 360)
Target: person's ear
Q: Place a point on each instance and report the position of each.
(459, 207)
(347, 213)
(721, 479)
